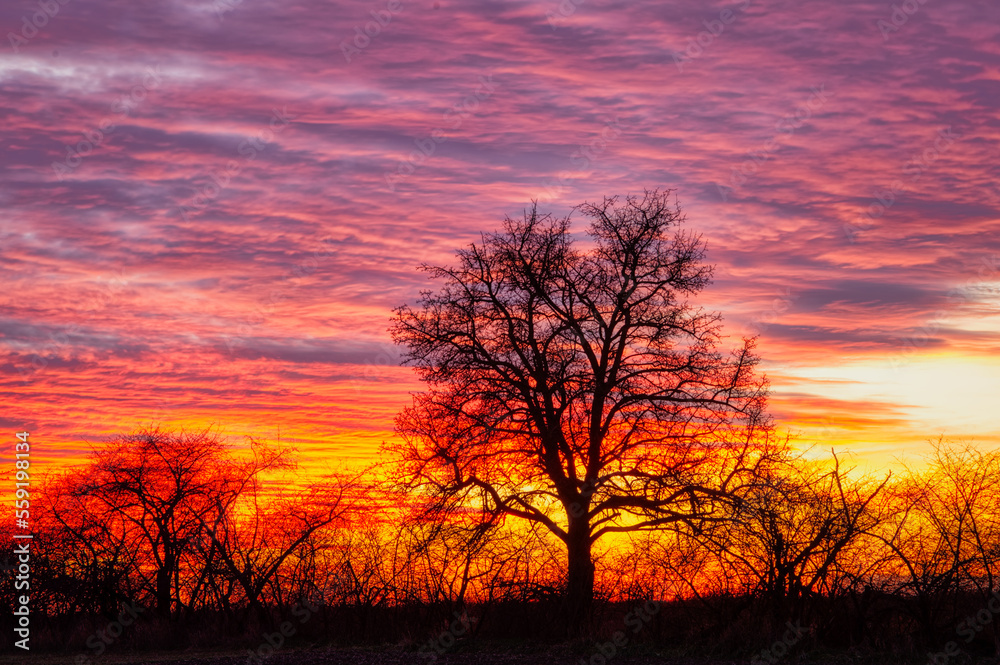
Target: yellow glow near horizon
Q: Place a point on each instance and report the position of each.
(889, 410)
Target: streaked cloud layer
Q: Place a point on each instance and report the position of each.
(210, 207)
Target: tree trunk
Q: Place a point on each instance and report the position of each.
(163, 591)
(580, 582)
(163, 583)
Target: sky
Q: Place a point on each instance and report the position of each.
(209, 208)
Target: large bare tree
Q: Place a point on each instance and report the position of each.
(571, 383)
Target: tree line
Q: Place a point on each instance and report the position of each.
(188, 527)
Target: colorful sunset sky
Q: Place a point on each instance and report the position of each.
(210, 207)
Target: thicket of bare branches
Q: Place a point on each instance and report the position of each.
(183, 525)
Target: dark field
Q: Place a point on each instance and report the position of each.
(497, 655)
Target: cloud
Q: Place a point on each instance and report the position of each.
(303, 250)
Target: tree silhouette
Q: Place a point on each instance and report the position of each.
(164, 487)
(791, 536)
(254, 540)
(577, 388)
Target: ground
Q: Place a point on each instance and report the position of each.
(391, 656)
